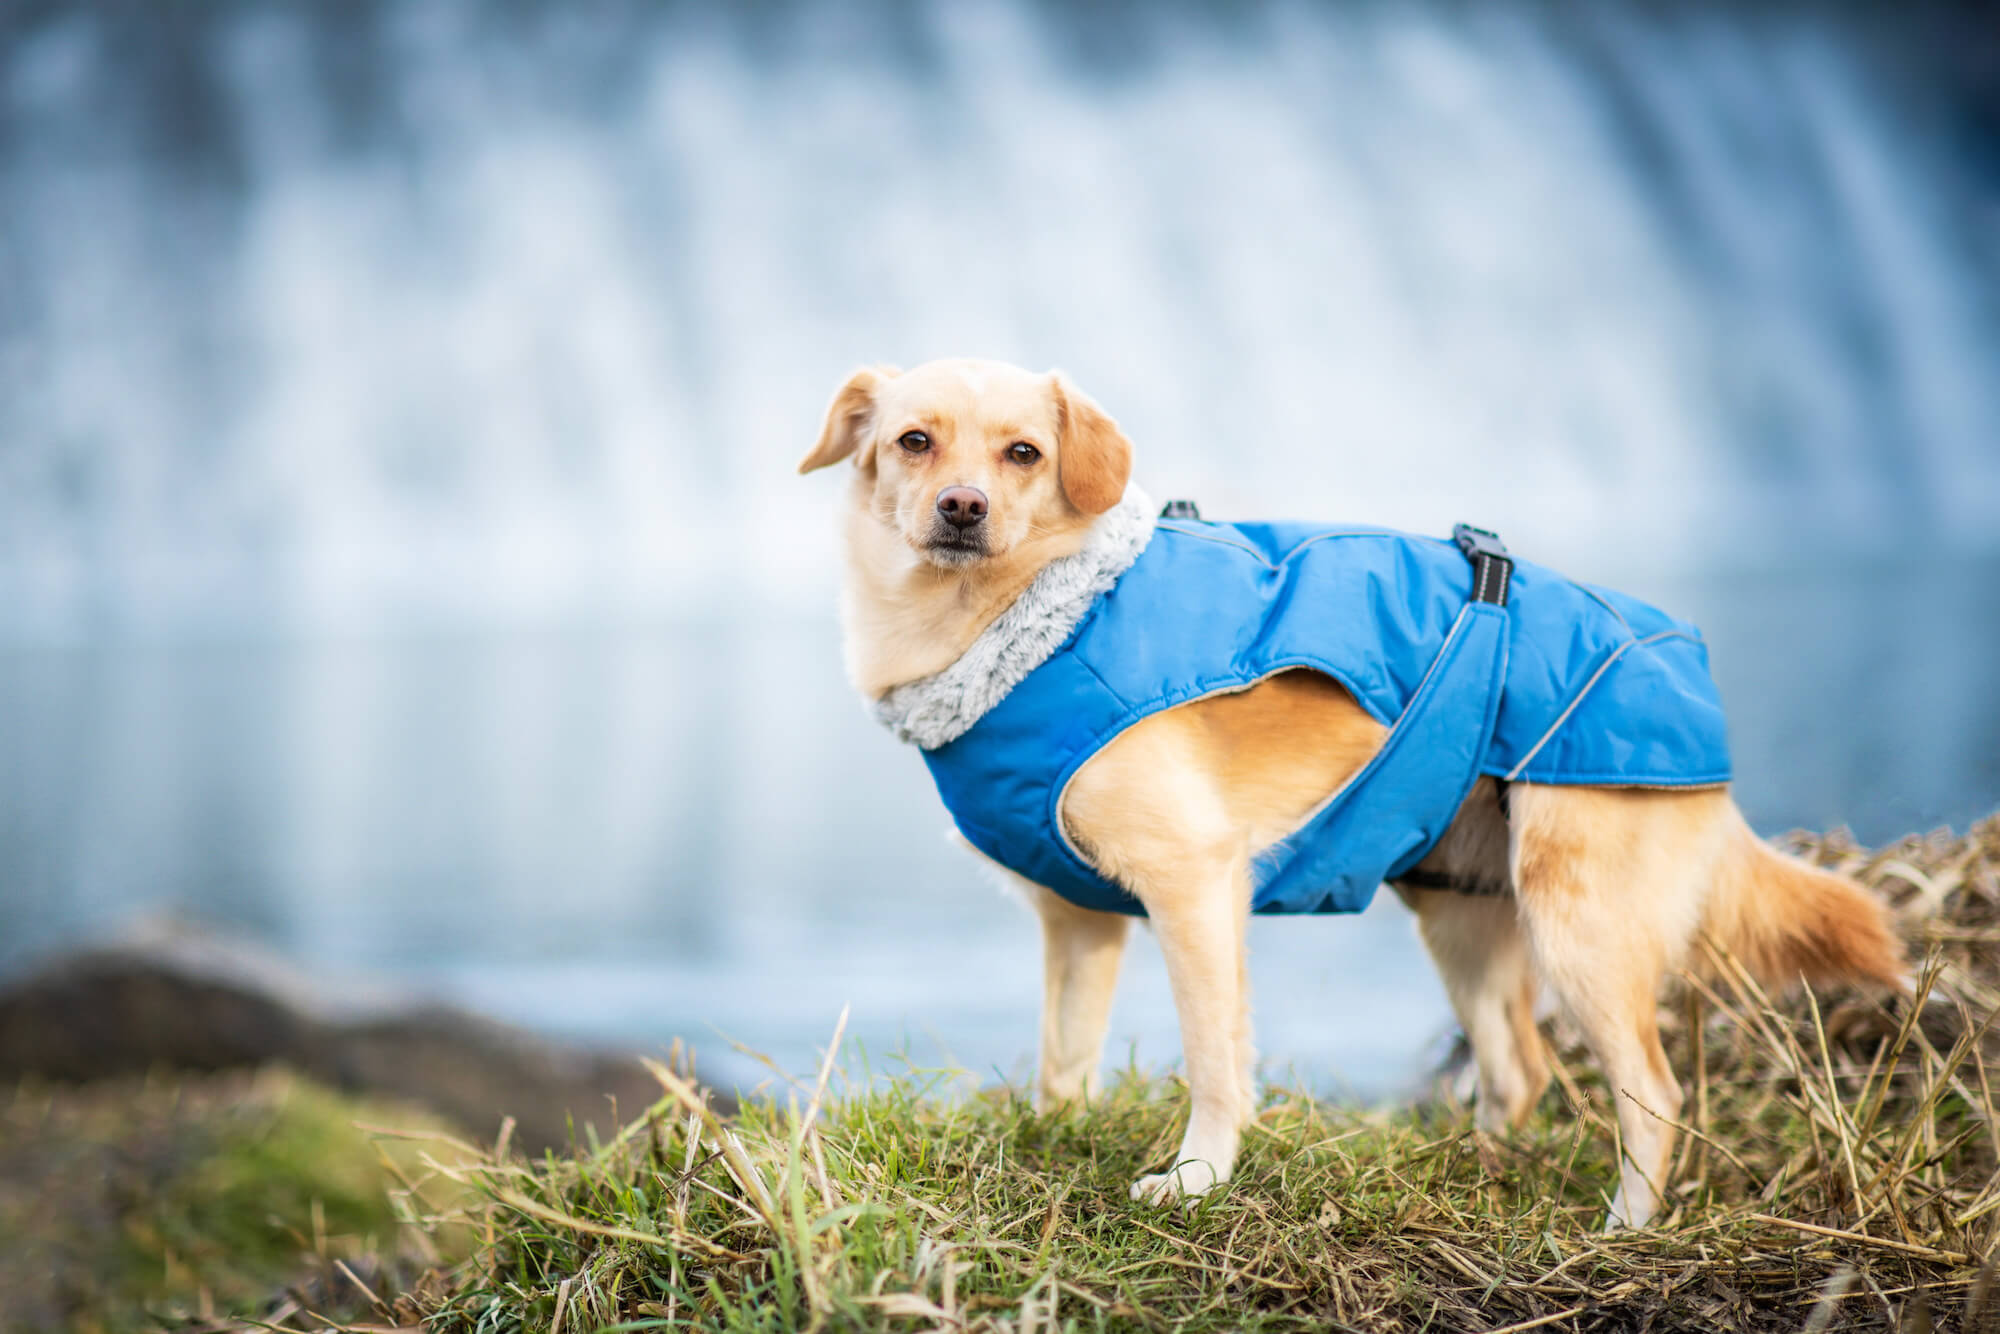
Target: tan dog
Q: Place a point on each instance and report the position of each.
(970, 476)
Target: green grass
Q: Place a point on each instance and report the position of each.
(898, 1210)
(1840, 1173)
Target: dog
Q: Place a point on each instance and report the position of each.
(985, 496)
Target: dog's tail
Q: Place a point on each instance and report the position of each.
(1783, 919)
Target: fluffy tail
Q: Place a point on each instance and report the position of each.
(1783, 919)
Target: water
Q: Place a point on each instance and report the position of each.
(694, 829)
(399, 557)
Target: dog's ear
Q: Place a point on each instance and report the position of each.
(848, 418)
(1094, 459)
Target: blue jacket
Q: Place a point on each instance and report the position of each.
(1565, 683)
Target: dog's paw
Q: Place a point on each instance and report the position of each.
(1628, 1214)
(1186, 1183)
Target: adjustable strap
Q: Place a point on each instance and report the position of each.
(1492, 567)
(1492, 572)
(1392, 813)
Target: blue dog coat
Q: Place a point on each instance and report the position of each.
(1555, 682)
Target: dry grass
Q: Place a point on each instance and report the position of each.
(1839, 1172)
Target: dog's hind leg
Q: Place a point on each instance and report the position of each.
(1610, 885)
(1081, 951)
(1480, 951)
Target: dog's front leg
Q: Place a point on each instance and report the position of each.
(1150, 813)
(1198, 914)
(1081, 951)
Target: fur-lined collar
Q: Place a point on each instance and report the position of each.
(935, 709)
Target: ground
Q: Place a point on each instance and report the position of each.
(1839, 1173)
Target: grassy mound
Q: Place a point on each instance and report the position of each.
(1838, 1171)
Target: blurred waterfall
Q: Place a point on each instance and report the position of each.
(400, 557)
(337, 315)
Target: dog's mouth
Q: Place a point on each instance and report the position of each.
(955, 548)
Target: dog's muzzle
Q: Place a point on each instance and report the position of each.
(958, 532)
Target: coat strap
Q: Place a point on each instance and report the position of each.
(1492, 567)
(1393, 812)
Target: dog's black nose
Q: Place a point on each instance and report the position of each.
(962, 506)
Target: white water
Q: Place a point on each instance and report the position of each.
(399, 551)
(425, 312)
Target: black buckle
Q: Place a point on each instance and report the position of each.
(1180, 509)
(1492, 567)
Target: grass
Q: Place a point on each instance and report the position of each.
(1839, 1172)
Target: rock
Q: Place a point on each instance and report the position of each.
(172, 996)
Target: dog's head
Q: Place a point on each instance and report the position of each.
(970, 461)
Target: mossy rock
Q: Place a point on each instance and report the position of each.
(143, 1204)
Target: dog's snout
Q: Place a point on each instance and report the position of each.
(962, 506)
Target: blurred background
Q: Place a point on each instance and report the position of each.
(400, 557)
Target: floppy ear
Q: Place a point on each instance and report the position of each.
(848, 418)
(1093, 458)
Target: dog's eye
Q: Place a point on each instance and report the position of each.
(1023, 452)
(914, 441)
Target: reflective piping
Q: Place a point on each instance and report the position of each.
(1097, 748)
(1338, 532)
(1563, 717)
(1264, 560)
(1603, 602)
(1171, 527)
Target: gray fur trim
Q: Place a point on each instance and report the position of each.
(935, 709)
